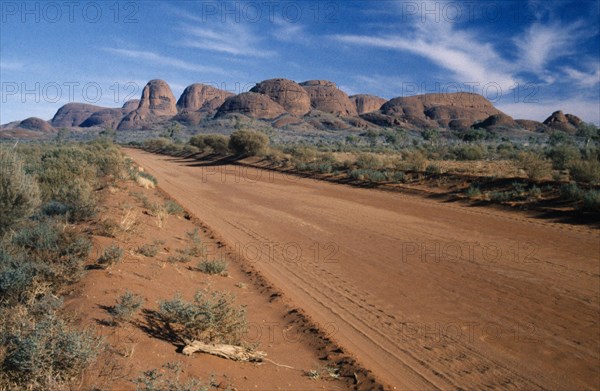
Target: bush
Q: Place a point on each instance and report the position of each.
(127, 306)
(218, 143)
(591, 201)
(501, 196)
(469, 152)
(562, 154)
(19, 192)
(216, 266)
(149, 177)
(210, 318)
(150, 250)
(534, 166)
(173, 208)
(111, 256)
(571, 192)
(416, 161)
(248, 142)
(46, 355)
(368, 161)
(585, 171)
(433, 168)
(473, 191)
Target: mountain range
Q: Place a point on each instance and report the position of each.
(313, 104)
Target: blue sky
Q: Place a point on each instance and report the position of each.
(529, 57)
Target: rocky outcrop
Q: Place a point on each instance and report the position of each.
(367, 103)
(131, 105)
(157, 101)
(251, 104)
(566, 123)
(201, 97)
(497, 121)
(110, 118)
(289, 94)
(532, 126)
(36, 124)
(73, 114)
(325, 96)
(432, 110)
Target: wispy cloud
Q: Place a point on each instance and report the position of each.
(10, 65)
(461, 53)
(586, 79)
(159, 59)
(543, 43)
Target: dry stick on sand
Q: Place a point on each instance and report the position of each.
(231, 352)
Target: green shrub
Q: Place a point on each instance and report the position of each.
(473, 191)
(156, 144)
(215, 266)
(217, 143)
(173, 208)
(591, 201)
(179, 258)
(398, 176)
(368, 161)
(248, 142)
(534, 192)
(562, 154)
(127, 306)
(469, 152)
(433, 168)
(501, 196)
(210, 318)
(19, 192)
(150, 177)
(416, 161)
(110, 256)
(585, 171)
(46, 355)
(571, 192)
(534, 166)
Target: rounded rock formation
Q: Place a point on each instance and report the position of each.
(73, 114)
(367, 103)
(251, 104)
(567, 123)
(201, 97)
(36, 124)
(289, 94)
(325, 96)
(158, 98)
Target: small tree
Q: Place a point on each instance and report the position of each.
(248, 142)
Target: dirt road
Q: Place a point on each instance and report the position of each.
(427, 295)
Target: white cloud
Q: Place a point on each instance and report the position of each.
(543, 43)
(585, 79)
(158, 59)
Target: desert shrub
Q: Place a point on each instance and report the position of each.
(189, 150)
(216, 266)
(571, 192)
(47, 354)
(416, 161)
(110, 256)
(474, 135)
(173, 208)
(433, 168)
(79, 199)
(182, 257)
(218, 143)
(368, 161)
(473, 191)
(156, 144)
(591, 201)
(368, 175)
(150, 250)
(148, 176)
(562, 154)
(211, 318)
(55, 208)
(501, 196)
(469, 152)
(534, 192)
(585, 170)
(303, 153)
(168, 380)
(19, 192)
(534, 166)
(398, 176)
(17, 276)
(127, 306)
(248, 142)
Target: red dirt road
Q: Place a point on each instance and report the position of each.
(427, 295)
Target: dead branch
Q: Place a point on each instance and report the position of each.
(230, 352)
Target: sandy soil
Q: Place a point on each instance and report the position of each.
(428, 295)
(143, 344)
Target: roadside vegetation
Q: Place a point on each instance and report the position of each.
(477, 161)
